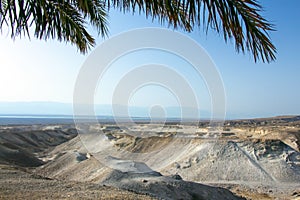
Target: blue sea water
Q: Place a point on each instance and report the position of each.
(35, 119)
(57, 119)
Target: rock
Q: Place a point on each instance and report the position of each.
(177, 165)
(88, 155)
(176, 177)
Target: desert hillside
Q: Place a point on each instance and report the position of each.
(253, 159)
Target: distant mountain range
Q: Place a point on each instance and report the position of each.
(56, 108)
(66, 109)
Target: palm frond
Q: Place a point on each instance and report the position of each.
(235, 19)
(65, 20)
(165, 11)
(96, 12)
(61, 20)
(241, 21)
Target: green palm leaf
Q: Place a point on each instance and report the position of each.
(235, 19)
(66, 20)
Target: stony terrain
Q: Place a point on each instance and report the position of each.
(255, 159)
(15, 183)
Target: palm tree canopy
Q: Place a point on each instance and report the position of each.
(66, 20)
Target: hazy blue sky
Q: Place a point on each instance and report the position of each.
(46, 71)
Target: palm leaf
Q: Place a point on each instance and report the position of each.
(66, 20)
(235, 19)
(59, 19)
